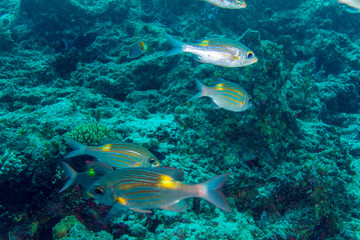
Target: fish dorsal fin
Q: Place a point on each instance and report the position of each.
(203, 43)
(228, 84)
(178, 206)
(108, 140)
(218, 80)
(176, 174)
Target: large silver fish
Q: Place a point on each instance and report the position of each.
(218, 51)
(143, 189)
(229, 4)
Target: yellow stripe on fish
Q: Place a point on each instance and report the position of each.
(229, 87)
(227, 95)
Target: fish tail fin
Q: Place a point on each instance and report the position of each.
(71, 174)
(202, 90)
(213, 194)
(177, 46)
(79, 148)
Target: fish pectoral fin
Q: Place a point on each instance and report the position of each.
(177, 207)
(141, 210)
(214, 106)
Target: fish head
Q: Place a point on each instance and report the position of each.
(246, 57)
(102, 194)
(248, 102)
(239, 4)
(154, 162)
(150, 161)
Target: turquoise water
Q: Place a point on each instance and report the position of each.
(293, 157)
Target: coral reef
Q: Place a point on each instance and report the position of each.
(10, 165)
(293, 157)
(70, 228)
(91, 134)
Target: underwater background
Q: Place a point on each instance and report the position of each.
(293, 157)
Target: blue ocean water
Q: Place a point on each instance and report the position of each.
(293, 156)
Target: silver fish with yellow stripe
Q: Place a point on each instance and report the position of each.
(117, 155)
(227, 95)
(143, 189)
(229, 4)
(217, 51)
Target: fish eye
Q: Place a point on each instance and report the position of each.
(152, 160)
(250, 55)
(98, 191)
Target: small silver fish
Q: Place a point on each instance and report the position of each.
(227, 95)
(229, 4)
(117, 155)
(218, 51)
(143, 189)
(137, 49)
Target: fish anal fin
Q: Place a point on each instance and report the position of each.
(214, 106)
(141, 210)
(178, 206)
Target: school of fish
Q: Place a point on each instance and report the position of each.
(128, 175)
